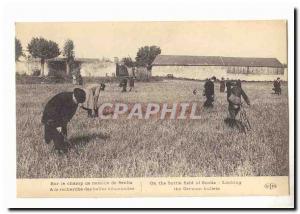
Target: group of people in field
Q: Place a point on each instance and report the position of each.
(123, 83)
(60, 109)
(234, 93)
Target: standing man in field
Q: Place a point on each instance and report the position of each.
(277, 86)
(227, 84)
(234, 94)
(131, 83)
(80, 80)
(57, 113)
(222, 85)
(209, 92)
(123, 84)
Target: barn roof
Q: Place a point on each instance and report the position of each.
(187, 60)
(251, 62)
(173, 60)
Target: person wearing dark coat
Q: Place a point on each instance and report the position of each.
(102, 86)
(227, 84)
(222, 85)
(123, 84)
(123, 71)
(277, 86)
(57, 113)
(234, 94)
(131, 83)
(80, 80)
(209, 92)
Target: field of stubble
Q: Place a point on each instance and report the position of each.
(139, 148)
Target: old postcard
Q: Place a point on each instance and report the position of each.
(149, 109)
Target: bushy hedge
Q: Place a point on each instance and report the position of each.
(32, 79)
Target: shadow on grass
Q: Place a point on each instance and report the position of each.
(236, 124)
(82, 140)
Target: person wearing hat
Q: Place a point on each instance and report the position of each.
(222, 85)
(58, 111)
(277, 86)
(209, 92)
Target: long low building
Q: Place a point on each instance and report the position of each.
(203, 67)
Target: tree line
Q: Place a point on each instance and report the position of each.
(44, 49)
(144, 57)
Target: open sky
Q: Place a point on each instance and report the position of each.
(201, 38)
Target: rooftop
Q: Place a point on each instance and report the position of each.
(179, 60)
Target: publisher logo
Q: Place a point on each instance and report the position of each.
(270, 186)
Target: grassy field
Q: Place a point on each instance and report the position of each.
(138, 148)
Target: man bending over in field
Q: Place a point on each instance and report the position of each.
(57, 113)
(234, 94)
(92, 98)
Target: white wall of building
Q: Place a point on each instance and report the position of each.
(98, 69)
(27, 67)
(87, 69)
(191, 72)
(204, 72)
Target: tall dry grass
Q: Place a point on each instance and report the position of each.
(138, 148)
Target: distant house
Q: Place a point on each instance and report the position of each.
(28, 66)
(202, 67)
(100, 68)
(58, 66)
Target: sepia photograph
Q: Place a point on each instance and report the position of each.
(156, 108)
(152, 99)
(130, 104)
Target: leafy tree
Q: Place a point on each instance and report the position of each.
(146, 55)
(68, 52)
(18, 49)
(43, 49)
(128, 62)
